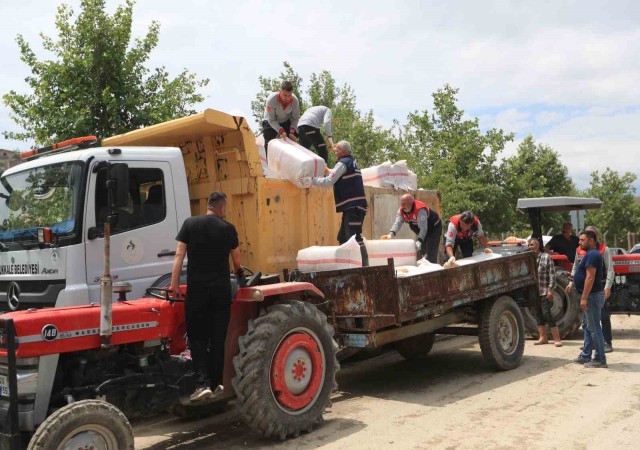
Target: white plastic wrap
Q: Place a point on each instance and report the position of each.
(474, 259)
(409, 271)
(290, 161)
(378, 176)
(322, 258)
(390, 175)
(403, 252)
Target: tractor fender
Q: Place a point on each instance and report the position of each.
(259, 293)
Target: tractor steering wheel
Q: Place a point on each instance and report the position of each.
(157, 292)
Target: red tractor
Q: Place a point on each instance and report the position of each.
(625, 297)
(73, 375)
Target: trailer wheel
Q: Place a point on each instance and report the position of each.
(565, 309)
(85, 424)
(501, 333)
(285, 371)
(415, 347)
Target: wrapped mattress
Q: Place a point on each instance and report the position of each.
(290, 161)
(322, 258)
(403, 252)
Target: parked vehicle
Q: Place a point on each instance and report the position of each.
(72, 372)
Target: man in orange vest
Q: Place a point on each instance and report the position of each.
(423, 221)
(460, 233)
(608, 269)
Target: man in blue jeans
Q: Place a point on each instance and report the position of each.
(588, 282)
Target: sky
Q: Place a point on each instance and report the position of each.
(566, 72)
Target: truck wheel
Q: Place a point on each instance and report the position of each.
(565, 309)
(85, 424)
(501, 333)
(285, 371)
(415, 347)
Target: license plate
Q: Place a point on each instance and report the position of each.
(4, 385)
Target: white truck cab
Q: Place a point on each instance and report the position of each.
(66, 192)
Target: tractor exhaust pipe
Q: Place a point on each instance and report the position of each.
(106, 296)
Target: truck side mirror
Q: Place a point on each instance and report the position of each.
(118, 184)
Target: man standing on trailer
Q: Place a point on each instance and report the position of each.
(207, 240)
(460, 233)
(282, 113)
(309, 130)
(424, 222)
(348, 193)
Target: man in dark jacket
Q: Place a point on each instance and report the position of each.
(348, 193)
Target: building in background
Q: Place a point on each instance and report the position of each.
(8, 158)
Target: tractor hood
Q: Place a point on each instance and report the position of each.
(60, 330)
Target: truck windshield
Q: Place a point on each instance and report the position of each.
(39, 197)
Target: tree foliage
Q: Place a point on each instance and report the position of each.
(452, 155)
(535, 171)
(620, 213)
(370, 142)
(97, 81)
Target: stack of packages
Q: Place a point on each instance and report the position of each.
(347, 256)
(290, 161)
(390, 175)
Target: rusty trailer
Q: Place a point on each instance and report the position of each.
(370, 307)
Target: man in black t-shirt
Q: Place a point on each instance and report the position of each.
(565, 243)
(207, 241)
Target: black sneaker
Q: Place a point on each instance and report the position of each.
(596, 364)
(608, 348)
(581, 360)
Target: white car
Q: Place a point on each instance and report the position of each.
(635, 249)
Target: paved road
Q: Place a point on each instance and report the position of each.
(453, 401)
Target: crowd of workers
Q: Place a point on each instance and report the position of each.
(209, 240)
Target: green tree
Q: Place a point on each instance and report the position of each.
(534, 171)
(372, 143)
(452, 155)
(97, 82)
(620, 213)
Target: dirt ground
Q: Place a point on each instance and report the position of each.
(453, 401)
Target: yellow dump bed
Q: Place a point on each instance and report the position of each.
(274, 218)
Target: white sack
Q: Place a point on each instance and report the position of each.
(476, 258)
(322, 258)
(403, 252)
(410, 271)
(378, 176)
(290, 161)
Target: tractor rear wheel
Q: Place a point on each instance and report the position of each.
(285, 370)
(565, 309)
(85, 424)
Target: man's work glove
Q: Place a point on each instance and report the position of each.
(282, 133)
(305, 182)
(418, 245)
(487, 250)
(452, 260)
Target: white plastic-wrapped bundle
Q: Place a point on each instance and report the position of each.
(409, 271)
(322, 258)
(378, 176)
(476, 258)
(403, 252)
(413, 181)
(401, 178)
(262, 153)
(290, 161)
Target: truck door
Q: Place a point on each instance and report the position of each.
(143, 240)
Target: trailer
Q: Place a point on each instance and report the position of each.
(372, 307)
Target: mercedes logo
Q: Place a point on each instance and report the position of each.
(13, 295)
